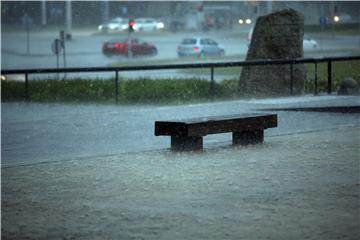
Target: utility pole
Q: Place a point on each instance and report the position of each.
(332, 14)
(27, 23)
(105, 14)
(68, 19)
(269, 6)
(43, 12)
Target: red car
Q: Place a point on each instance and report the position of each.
(118, 47)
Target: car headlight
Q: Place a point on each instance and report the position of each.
(124, 27)
(100, 27)
(112, 27)
(160, 25)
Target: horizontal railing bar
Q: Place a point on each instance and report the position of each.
(181, 66)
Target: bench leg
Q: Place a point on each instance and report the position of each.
(248, 137)
(180, 143)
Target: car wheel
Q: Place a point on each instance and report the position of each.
(202, 55)
(153, 51)
(107, 55)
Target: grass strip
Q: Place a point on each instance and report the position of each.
(147, 90)
(142, 90)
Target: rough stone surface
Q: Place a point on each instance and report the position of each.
(349, 86)
(276, 36)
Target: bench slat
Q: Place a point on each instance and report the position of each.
(213, 125)
(232, 125)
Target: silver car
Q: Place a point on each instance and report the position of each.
(199, 47)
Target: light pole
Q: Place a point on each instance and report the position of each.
(332, 11)
(68, 19)
(131, 29)
(43, 12)
(105, 14)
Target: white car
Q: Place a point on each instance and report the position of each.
(115, 25)
(147, 25)
(309, 43)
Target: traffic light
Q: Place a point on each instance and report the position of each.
(131, 25)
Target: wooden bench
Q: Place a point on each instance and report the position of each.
(188, 134)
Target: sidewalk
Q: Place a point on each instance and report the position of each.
(296, 186)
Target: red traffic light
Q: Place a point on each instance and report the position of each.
(131, 25)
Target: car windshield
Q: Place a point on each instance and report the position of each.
(203, 41)
(189, 41)
(212, 42)
(118, 40)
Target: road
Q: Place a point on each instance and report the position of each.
(85, 50)
(34, 132)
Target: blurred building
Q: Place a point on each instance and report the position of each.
(191, 14)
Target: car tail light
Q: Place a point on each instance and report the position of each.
(196, 49)
(118, 45)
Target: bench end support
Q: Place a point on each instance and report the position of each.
(248, 137)
(182, 143)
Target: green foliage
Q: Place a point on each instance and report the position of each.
(162, 91)
(59, 90)
(340, 71)
(12, 91)
(141, 90)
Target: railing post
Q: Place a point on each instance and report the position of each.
(316, 81)
(291, 78)
(329, 90)
(116, 86)
(26, 88)
(212, 83)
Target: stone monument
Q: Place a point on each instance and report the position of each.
(276, 36)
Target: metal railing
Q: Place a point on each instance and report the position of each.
(210, 65)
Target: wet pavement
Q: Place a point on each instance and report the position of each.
(36, 132)
(75, 171)
(298, 186)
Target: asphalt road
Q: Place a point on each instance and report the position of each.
(33, 132)
(85, 48)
